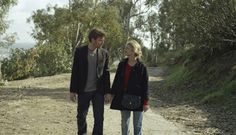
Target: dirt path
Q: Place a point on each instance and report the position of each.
(41, 107)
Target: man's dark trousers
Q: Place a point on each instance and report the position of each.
(98, 110)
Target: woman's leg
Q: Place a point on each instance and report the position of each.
(125, 118)
(137, 122)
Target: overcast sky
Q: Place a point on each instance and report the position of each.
(18, 17)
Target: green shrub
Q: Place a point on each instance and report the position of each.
(226, 90)
(42, 60)
(52, 60)
(19, 65)
(178, 77)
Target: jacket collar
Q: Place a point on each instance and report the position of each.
(125, 61)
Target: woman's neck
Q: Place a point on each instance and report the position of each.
(132, 61)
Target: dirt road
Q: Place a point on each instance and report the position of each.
(41, 106)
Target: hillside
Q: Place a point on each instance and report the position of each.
(208, 84)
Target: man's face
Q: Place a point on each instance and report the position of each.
(98, 42)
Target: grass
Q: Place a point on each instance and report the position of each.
(2, 82)
(224, 93)
(200, 86)
(177, 77)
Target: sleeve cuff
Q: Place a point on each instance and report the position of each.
(145, 102)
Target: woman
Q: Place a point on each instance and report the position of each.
(131, 78)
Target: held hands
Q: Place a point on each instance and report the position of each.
(108, 98)
(73, 96)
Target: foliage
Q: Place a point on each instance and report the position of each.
(70, 26)
(5, 39)
(5, 5)
(40, 61)
(199, 29)
(149, 57)
(213, 82)
(52, 59)
(226, 91)
(3, 83)
(198, 22)
(132, 14)
(178, 76)
(198, 36)
(59, 30)
(19, 65)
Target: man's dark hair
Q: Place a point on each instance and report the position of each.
(95, 33)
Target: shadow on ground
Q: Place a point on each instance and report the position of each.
(12, 93)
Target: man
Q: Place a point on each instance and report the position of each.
(90, 81)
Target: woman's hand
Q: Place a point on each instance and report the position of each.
(146, 107)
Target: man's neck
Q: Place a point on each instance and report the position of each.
(91, 47)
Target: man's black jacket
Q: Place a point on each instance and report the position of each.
(80, 71)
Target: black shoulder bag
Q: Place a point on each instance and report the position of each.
(131, 101)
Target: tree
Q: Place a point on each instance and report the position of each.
(5, 40)
(70, 25)
(130, 12)
(197, 23)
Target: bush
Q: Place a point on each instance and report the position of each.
(52, 60)
(42, 60)
(19, 65)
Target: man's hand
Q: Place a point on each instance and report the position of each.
(146, 107)
(73, 96)
(108, 98)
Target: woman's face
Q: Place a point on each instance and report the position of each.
(129, 51)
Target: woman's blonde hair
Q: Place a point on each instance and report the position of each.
(136, 46)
